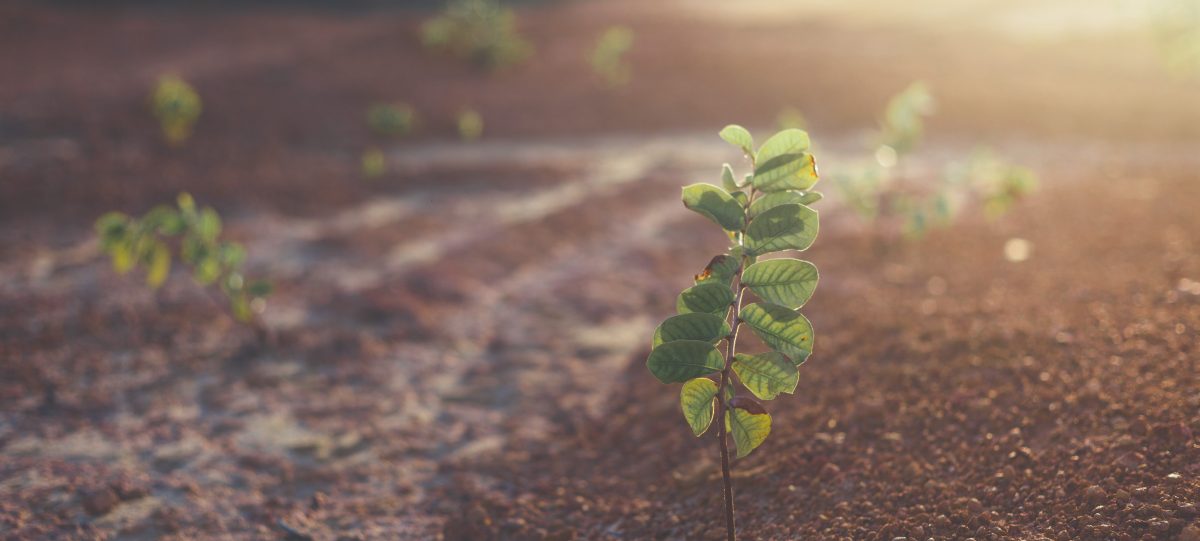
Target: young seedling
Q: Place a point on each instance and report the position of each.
(177, 106)
(995, 182)
(147, 242)
(479, 31)
(885, 190)
(608, 58)
(871, 190)
(1176, 28)
(374, 163)
(470, 125)
(762, 214)
(391, 120)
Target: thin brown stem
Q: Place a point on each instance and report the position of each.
(726, 380)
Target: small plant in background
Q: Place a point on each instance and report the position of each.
(374, 163)
(391, 120)
(608, 58)
(176, 105)
(870, 191)
(480, 31)
(764, 213)
(147, 242)
(998, 184)
(903, 124)
(470, 125)
(1176, 28)
(790, 118)
(884, 190)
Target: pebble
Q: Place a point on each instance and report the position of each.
(100, 502)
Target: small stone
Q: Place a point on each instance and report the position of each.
(830, 470)
(100, 502)
(1190, 532)
(1095, 495)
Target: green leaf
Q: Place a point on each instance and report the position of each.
(787, 282)
(208, 227)
(774, 199)
(708, 297)
(720, 269)
(122, 257)
(164, 219)
(192, 250)
(186, 203)
(696, 400)
(749, 423)
(811, 197)
(791, 141)
(241, 308)
(786, 172)
(232, 254)
(716, 204)
(767, 374)
(259, 288)
(112, 229)
(786, 227)
(207, 270)
(172, 223)
(694, 326)
(727, 179)
(160, 265)
(783, 329)
(681, 360)
(738, 137)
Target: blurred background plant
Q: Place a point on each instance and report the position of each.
(608, 57)
(177, 106)
(1176, 28)
(903, 123)
(790, 118)
(470, 125)
(884, 189)
(479, 31)
(392, 119)
(146, 242)
(374, 163)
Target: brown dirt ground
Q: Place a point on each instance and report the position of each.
(460, 344)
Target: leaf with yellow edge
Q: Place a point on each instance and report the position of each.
(160, 265)
(767, 374)
(749, 423)
(696, 400)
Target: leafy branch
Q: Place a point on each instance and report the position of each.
(764, 213)
(480, 31)
(147, 242)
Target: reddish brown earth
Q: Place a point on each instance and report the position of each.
(459, 345)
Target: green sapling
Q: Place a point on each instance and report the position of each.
(763, 214)
(147, 242)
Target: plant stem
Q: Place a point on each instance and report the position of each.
(730, 351)
(721, 407)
